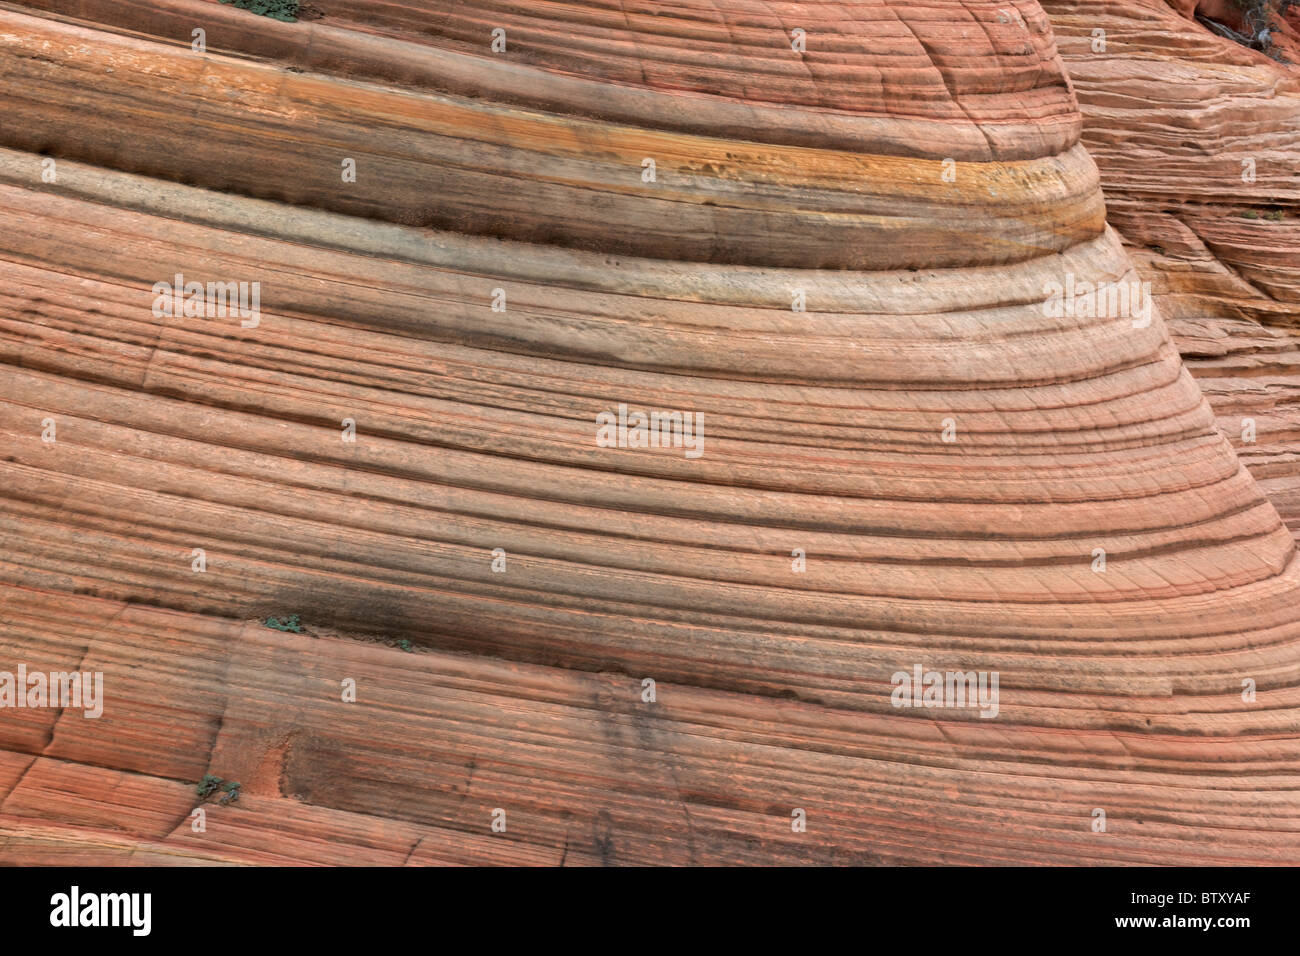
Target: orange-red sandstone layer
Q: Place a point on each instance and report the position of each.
(476, 431)
(976, 81)
(586, 771)
(459, 163)
(1194, 135)
(1198, 141)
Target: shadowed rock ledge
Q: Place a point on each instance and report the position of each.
(840, 263)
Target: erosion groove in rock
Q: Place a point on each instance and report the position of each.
(907, 458)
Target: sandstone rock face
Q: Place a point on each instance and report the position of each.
(1198, 141)
(825, 234)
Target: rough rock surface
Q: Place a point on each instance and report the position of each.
(541, 577)
(1198, 142)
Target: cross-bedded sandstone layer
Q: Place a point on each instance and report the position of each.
(1198, 141)
(920, 466)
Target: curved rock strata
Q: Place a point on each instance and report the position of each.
(906, 457)
(1198, 141)
(456, 162)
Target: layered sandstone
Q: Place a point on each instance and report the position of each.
(919, 466)
(1198, 142)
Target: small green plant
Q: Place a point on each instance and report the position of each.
(1277, 215)
(290, 623)
(208, 785)
(1250, 214)
(405, 645)
(211, 783)
(283, 10)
